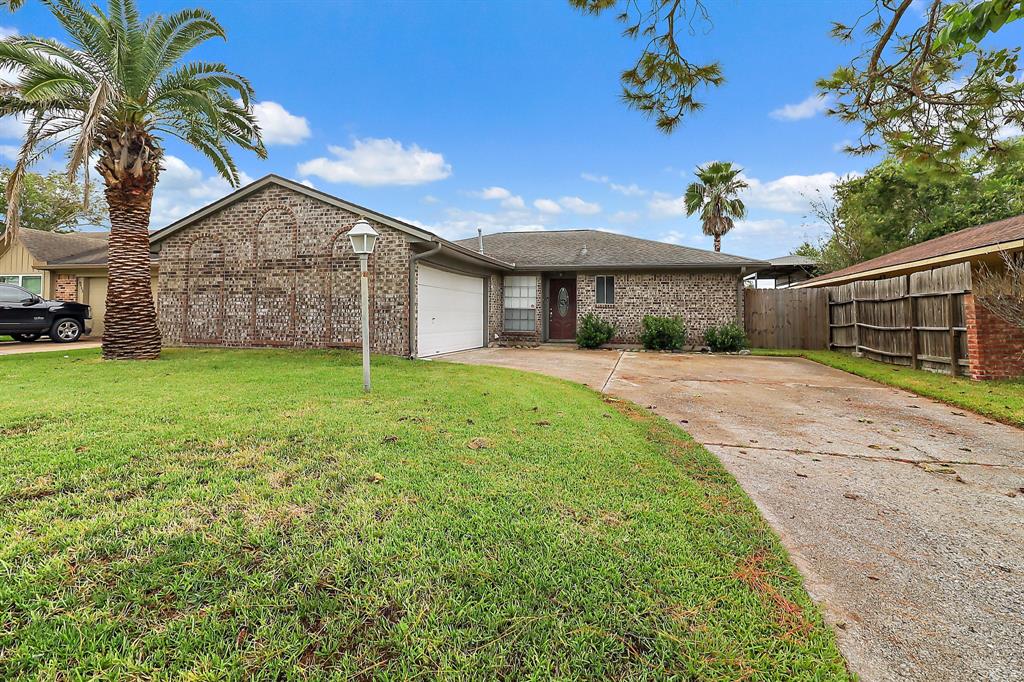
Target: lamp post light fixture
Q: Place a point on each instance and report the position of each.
(363, 238)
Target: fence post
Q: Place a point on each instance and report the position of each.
(915, 362)
(954, 365)
(856, 327)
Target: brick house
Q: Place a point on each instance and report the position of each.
(994, 347)
(270, 265)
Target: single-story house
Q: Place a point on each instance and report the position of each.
(64, 266)
(271, 265)
(995, 348)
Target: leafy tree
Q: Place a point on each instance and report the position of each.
(929, 92)
(121, 85)
(715, 196)
(53, 203)
(897, 204)
(662, 83)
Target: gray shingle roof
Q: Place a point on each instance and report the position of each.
(802, 261)
(74, 248)
(583, 249)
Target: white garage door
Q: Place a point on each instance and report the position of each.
(450, 312)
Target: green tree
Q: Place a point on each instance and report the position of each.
(897, 204)
(119, 87)
(929, 92)
(715, 196)
(53, 203)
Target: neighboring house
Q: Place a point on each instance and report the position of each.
(63, 266)
(995, 348)
(270, 265)
(783, 272)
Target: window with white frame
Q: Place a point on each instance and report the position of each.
(520, 303)
(606, 289)
(33, 283)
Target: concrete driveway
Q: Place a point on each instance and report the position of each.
(905, 516)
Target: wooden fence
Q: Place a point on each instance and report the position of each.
(786, 318)
(915, 320)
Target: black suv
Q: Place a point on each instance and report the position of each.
(25, 316)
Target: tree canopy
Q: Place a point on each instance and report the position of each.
(52, 202)
(897, 204)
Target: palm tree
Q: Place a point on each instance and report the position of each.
(714, 195)
(108, 99)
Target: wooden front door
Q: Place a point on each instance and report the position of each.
(561, 309)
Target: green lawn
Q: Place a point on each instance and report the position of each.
(251, 514)
(1000, 400)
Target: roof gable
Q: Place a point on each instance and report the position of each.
(69, 248)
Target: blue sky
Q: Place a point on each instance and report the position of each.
(505, 115)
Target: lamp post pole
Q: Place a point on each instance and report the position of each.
(364, 292)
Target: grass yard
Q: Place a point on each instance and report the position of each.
(251, 514)
(1000, 400)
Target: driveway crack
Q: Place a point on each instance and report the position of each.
(604, 387)
(871, 458)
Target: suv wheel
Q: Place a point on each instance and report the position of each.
(66, 330)
(25, 338)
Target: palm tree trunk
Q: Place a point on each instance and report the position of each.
(718, 242)
(130, 328)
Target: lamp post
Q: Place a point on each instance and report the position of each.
(363, 238)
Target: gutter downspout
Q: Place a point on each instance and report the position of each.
(412, 294)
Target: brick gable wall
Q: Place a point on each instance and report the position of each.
(276, 269)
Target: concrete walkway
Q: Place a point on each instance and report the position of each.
(905, 515)
(44, 346)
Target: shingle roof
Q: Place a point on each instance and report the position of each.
(990, 234)
(584, 249)
(74, 248)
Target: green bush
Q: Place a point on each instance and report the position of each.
(726, 338)
(594, 332)
(663, 333)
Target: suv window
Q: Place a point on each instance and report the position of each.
(9, 294)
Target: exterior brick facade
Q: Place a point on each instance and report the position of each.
(995, 348)
(702, 299)
(276, 269)
(65, 287)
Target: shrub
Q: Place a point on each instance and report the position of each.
(725, 338)
(594, 332)
(663, 333)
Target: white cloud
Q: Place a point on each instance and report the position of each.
(182, 189)
(577, 205)
(8, 32)
(431, 199)
(664, 205)
(278, 125)
(508, 200)
(374, 161)
(754, 227)
(625, 217)
(631, 190)
(10, 151)
(308, 183)
(808, 108)
(547, 206)
(460, 224)
(789, 194)
(591, 177)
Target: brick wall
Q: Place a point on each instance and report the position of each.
(995, 347)
(701, 298)
(65, 287)
(276, 269)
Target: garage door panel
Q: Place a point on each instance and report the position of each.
(450, 312)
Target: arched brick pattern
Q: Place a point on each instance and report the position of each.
(343, 323)
(273, 268)
(204, 291)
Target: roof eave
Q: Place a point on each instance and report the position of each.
(921, 263)
(641, 266)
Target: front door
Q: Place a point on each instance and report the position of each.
(561, 309)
